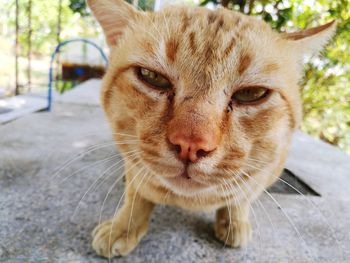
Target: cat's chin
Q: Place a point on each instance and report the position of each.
(184, 185)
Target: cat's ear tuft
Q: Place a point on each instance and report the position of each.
(113, 16)
(311, 41)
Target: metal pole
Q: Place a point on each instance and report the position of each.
(16, 49)
(58, 39)
(57, 50)
(29, 54)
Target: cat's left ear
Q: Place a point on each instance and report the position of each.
(311, 41)
(113, 16)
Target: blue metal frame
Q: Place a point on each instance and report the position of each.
(57, 49)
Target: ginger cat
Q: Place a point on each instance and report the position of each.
(208, 101)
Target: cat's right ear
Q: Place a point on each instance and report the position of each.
(113, 16)
(310, 41)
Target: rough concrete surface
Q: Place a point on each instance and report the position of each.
(43, 220)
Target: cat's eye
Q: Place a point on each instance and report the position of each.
(250, 95)
(154, 79)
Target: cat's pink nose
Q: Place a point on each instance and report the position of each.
(191, 147)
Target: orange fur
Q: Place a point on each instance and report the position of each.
(207, 56)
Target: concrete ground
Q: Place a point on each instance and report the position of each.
(43, 217)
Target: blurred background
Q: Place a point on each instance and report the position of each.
(31, 30)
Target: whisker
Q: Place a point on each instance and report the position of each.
(77, 156)
(111, 188)
(124, 134)
(234, 192)
(132, 204)
(97, 163)
(81, 154)
(166, 195)
(84, 135)
(283, 211)
(312, 205)
(256, 160)
(259, 202)
(229, 210)
(114, 156)
(116, 210)
(199, 199)
(251, 207)
(98, 178)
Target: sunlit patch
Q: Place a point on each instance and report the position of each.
(82, 144)
(14, 103)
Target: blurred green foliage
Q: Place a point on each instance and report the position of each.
(326, 85)
(79, 6)
(75, 21)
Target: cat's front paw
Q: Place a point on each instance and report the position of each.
(112, 238)
(236, 234)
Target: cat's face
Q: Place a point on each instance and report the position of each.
(209, 94)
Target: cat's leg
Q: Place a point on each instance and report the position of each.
(232, 225)
(120, 235)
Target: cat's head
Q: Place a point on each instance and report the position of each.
(209, 94)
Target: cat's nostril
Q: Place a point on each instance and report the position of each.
(201, 153)
(177, 148)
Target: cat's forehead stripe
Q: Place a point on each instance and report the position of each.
(244, 63)
(192, 41)
(185, 22)
(207, 35)
(269, 68)
(171, 49)
(229, 47)
(212, 16)
(203, 39)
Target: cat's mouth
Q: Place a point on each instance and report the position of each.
(185, 174)
(181, 178)
(184, 181)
